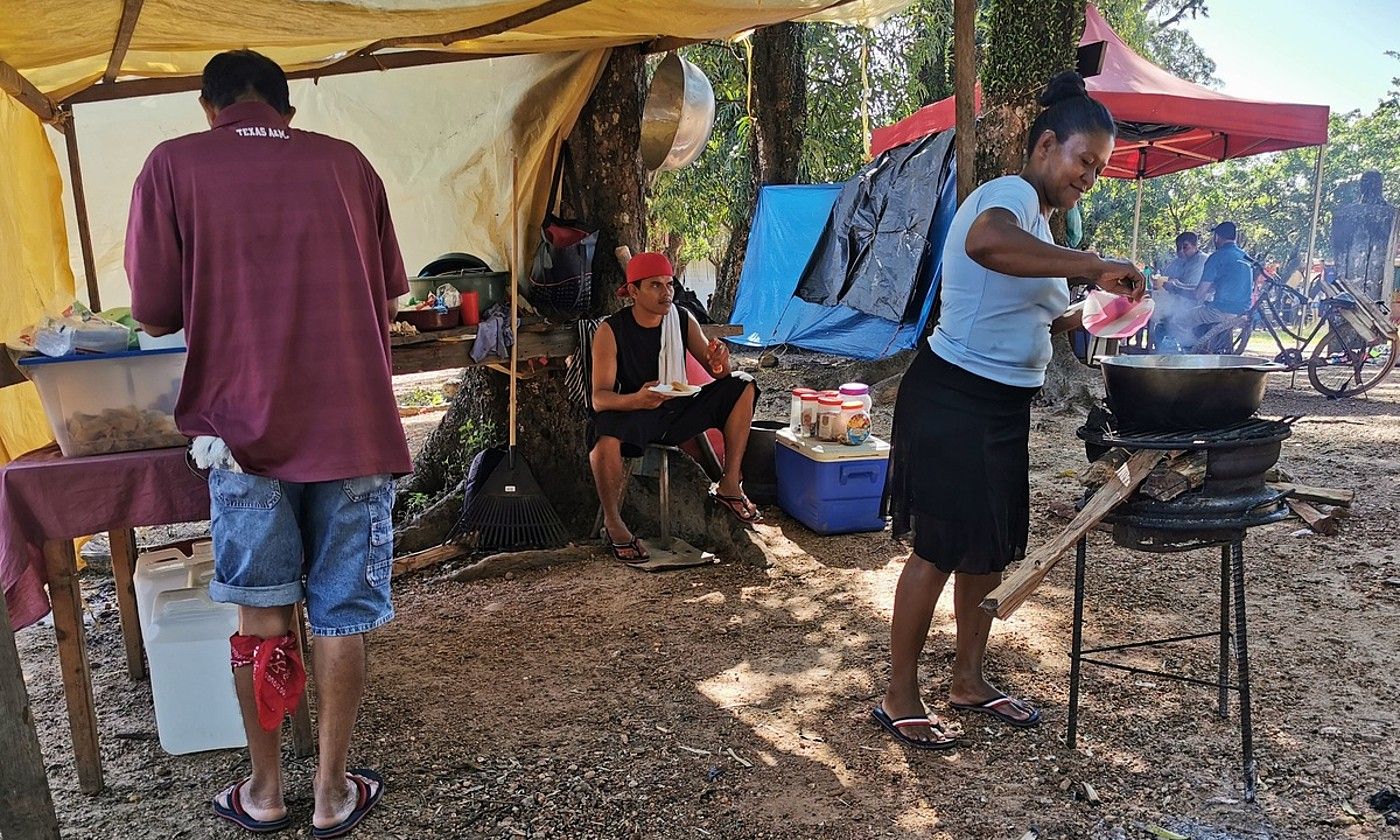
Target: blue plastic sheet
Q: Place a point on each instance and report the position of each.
(787, 224)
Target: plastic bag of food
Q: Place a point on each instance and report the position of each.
(1107, 315)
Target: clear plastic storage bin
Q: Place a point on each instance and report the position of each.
(110, 402)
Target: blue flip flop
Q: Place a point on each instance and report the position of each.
(234, 813)
(896, 727)
(367, 800)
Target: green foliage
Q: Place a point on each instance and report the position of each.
(1270, 196)
(421, 396)
(416, 503)
(1152, 29)
(476, 435)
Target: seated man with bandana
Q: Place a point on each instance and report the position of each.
(641, 395)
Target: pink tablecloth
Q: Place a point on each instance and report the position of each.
(44, 496)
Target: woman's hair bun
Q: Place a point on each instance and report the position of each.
(1067, 85)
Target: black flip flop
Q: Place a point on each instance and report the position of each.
(234, 813)
(894, 727)
(749, 515)
(363, 805)
(993, 708)
(639, 554)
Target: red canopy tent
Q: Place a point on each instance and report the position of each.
(1165, 124)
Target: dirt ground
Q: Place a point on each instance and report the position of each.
(591, 701)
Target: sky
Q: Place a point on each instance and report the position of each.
(1323, 52)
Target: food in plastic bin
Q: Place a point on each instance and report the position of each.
(122, 430)
(98, 404)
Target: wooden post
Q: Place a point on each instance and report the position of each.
(1312, 236)
(62, 567)
(75, 171)
(27, 810)
(16, 85)
(965, 89)
(131, 11)
(303, 735)
(123, 543)
(1137, 218)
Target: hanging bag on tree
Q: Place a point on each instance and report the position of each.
(561, 278)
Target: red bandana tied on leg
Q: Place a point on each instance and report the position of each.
(279, 677)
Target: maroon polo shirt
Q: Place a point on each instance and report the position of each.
(274, 250)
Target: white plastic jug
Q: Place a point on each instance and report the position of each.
(167, 569)
(187, 648)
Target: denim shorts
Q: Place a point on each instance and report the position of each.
(329, 543)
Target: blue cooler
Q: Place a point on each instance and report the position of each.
(832, 488)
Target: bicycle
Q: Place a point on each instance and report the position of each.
(1357, 347)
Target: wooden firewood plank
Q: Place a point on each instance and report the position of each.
(1322, 523)
(1066, 511)
(425, 558)
(1177, 476)
(1006, 598)
(1316, 495)
(1101, 471)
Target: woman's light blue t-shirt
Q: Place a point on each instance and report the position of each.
(992, 324)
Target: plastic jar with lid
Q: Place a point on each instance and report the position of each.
(795, 416)
(854, 425)
(857, 391)
(809, 414)
(829, 418)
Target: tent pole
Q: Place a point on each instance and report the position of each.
(75, 170)
(1137, 218)
(964, 89)
(1312, 232)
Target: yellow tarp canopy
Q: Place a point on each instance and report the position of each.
(442, 136)
(64, 45)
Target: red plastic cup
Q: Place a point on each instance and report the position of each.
(471, 308)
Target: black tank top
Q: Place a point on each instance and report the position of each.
(639, 349)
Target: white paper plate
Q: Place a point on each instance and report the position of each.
(666, 390)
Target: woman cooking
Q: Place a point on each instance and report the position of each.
(959, 477)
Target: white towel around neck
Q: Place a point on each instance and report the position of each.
(671, 364)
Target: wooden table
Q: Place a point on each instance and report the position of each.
(64, 498)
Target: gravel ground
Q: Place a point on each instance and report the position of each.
(590, 701)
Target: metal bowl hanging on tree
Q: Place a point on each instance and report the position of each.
(678, 116)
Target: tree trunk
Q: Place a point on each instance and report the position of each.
(607, 175)
(778, 92)
(605, 189)
(1028, 42)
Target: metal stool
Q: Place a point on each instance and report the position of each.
(667, 551)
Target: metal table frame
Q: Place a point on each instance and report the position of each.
(1231, 571)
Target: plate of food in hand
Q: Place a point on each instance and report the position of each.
(676, 389)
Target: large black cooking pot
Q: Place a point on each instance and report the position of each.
(1184, 392)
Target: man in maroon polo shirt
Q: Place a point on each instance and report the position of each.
(274, 251)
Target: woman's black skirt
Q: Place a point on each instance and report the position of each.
(959, 474)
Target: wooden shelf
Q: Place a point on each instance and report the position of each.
(447, 349)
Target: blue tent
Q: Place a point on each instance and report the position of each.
(786, 226)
